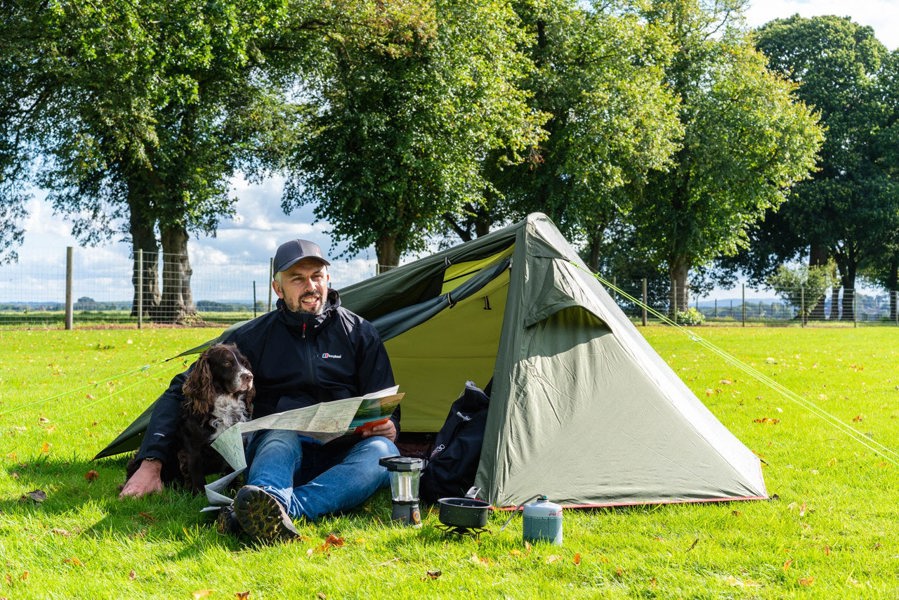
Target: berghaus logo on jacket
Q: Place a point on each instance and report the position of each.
(328, 355)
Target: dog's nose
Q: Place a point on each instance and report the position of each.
(246, 377)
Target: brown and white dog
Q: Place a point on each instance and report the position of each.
(218, 393)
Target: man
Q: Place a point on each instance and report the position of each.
(309, 350)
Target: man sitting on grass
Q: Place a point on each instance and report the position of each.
(309, 350)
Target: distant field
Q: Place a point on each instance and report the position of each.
(831, 530)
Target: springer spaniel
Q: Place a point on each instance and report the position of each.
(218, 393)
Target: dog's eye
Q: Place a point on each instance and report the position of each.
(228, 364)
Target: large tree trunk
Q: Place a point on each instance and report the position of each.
(177, 300)
(818, 256)
(385, 249)
(677, 273)
(145, 250)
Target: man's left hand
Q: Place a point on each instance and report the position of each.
(386, 429)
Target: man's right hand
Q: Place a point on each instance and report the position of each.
(146, 480)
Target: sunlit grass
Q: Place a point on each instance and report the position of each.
(830, 533)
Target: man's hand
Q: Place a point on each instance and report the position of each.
(386, 429)
(146, 480)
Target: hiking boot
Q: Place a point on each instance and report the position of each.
(262, 517)
(226, 521)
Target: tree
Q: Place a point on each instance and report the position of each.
(143, 112)
(746, 142)
(598, 74)
(408, 98)
(849, 210)
(803, 287)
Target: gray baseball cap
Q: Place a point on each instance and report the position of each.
(292, 252)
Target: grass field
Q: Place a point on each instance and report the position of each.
(830, 531)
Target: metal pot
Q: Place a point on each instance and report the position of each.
(466, 513)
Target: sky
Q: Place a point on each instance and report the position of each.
(252, 236)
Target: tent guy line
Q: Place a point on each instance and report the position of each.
(92, 385)
(881, 450)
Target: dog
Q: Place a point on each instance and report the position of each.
(218, 393)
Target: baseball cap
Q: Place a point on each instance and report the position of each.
(292, 252)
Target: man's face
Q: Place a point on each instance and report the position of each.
(304, 286)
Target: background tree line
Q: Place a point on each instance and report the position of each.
(655, 134)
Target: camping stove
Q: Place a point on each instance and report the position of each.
(455, 530)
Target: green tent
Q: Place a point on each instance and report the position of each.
(582, 409)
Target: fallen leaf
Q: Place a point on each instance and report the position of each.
(242, 595)
(45, 448)
(619, 572)
(766, 421)
(802, 510)
(577, 558)
(147, 517)
(553, 558)
(132, 575)
(693, 545)
(35, 496)
(201, 594)
(827, 550)
(58, 531)
(24, 576)
(91, 475)
(807, 581)
(857, 419)
(321, 596)
(726, 382)
(434, 574)
(331, 542)
(73, 561)
(788, 564)
(44, 420)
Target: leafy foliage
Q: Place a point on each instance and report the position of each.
(746, 142)
(409, 99)
(850, 208)
(802, 286)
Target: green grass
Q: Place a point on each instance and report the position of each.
(831, 532)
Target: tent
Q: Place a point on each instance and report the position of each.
(582, 408)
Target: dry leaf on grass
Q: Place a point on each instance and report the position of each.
(91, 475)
(433, 574)
(35, 496)
(242, 595)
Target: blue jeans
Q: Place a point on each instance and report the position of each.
(311, 479)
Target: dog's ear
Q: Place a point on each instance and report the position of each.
(197, 387)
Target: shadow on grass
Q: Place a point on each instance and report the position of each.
(83, 495)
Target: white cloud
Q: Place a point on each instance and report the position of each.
(880, 15)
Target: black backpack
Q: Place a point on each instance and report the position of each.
(453, 463)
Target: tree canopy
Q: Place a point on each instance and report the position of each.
(849, 210)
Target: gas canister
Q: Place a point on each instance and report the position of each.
(542, 521)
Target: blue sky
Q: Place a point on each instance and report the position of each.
(260, 225)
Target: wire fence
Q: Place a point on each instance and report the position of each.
(68, 288)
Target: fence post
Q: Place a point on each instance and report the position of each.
(743, 305)
(69, 280)
(254, 298)
(140, 288)
(802, 314)
(645, 301)
(854, 308)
